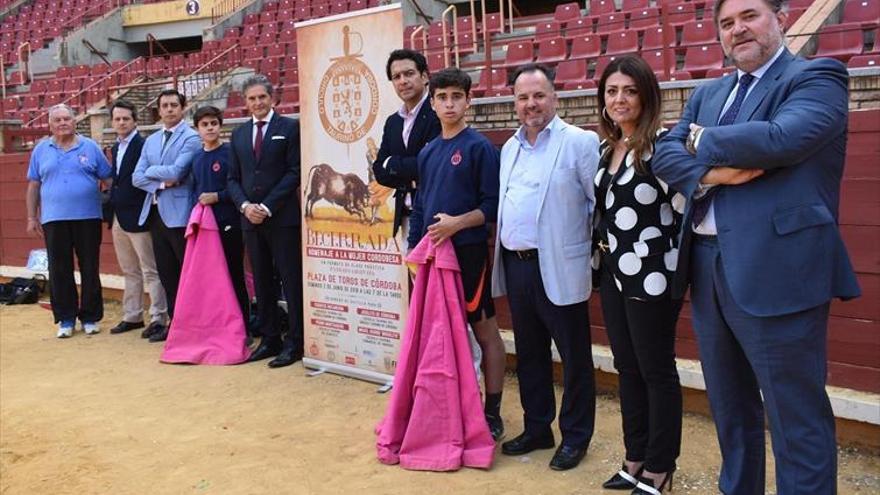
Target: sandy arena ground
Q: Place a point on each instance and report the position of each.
(101, 415)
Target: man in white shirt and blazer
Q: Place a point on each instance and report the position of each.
(542, 264)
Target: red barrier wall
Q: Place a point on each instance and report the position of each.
(854, 329)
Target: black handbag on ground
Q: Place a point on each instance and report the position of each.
(22, 290)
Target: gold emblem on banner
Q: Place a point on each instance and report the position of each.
(348, 97)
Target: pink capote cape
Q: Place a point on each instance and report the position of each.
(208, 327)
(435, 420)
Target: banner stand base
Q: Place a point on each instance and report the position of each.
(385, 388)
(316, 372)
(318, 367)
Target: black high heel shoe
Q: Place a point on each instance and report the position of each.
(645, 485)
(622, 480)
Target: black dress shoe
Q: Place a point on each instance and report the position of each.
(268, 347)
(126, 326)
(159, 335)
(567, 457)
(526, 443)
(151, 329)
(286, 358)
(622, 480)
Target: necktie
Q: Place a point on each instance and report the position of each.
(167, 138)
(258, 139)
(701, 206)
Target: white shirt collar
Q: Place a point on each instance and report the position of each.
(403, 112)
(127, 139)
(760, 71)
(173, 129)
(267, 119)
(550, 127)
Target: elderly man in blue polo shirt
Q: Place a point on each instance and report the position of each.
(64, 207)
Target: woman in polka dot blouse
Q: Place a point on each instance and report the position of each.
(635, 251)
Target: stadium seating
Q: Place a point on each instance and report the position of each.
(840, 41)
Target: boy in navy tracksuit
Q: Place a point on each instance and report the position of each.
(457, 196)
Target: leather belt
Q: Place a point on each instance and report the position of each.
(524, 255)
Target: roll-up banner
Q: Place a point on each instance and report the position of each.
(355, 293)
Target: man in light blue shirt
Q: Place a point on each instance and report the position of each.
(64, 207)
(542, 264)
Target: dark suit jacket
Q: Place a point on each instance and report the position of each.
(781, 248)
(274, 178)
(402, 169)
(126, 200)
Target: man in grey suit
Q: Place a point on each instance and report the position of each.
(163, 172)
(542, 263)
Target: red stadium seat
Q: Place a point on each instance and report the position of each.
(681, 75)
(490, 80)
(680, 13)
(793, 16)
(580, 27)
(586, 84)
(864, 12)
(436, 62)
(251, 19)
(585, 47)
(644, 18)
(571, 71)
(277, 50)
(610, 22)
(320, 10)
(544, 30)
(620, 42)
(567, 12)
(800, 4)
(519, 53)
(699, 59)
(840, 41)
(551, 51)
(698, 33)
(713, 73)
(338, 7)
(601, 64)
(656, 61)
(598, 7)
(253, 53)
(493, 23)
(653, 39)
(870, 60)
(630, 5)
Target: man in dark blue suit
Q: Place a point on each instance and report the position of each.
(760, 154)
(406, 132)
(131, 241)
(263, 181)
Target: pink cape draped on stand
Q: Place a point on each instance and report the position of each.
(435, 420)
(208, 327)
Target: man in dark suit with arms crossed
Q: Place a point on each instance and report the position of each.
(760, 154)
(406, 132)
(264, 177)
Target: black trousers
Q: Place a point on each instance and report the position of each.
(272, 248)
(63, 239)
(536, 320)
(169, 246)
(233, 251)
(642, 336)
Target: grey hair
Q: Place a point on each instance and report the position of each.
(62, 106)
(258, 80)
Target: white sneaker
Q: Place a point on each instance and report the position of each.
(64, 332)
(91, 328)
